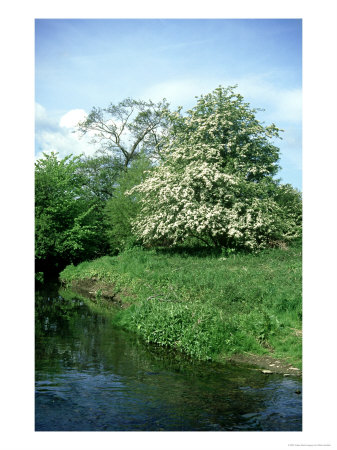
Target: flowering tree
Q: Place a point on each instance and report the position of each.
(215, 181)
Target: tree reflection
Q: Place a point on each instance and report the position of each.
(80, 351)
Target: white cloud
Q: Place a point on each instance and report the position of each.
(53, 135)
(72, 118)
(281, 104)
(60, 134)
(40, 112)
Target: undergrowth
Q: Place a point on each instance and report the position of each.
(208, 306)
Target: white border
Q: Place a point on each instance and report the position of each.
(320, 100)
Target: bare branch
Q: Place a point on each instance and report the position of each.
(109, 134)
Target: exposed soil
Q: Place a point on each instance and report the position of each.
(93, 288)
(266, 364)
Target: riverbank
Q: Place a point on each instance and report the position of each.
(244, 308)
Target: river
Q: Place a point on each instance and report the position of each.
(93, 377)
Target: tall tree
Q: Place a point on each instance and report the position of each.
(128, 128)
(100, 174)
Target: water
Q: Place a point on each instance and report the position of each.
(92, 377)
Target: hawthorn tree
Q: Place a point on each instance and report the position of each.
(223, 121)
(128, 128)
(215, 181)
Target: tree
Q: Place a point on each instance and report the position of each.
(215, 182)
(100, 173)
(121, 209)
(225, 122)
(128, 128)
(66, 217)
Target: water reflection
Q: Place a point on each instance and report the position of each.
(90, 376)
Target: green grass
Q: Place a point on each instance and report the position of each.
(209, 306)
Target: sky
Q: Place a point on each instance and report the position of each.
(82, 63)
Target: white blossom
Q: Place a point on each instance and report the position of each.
(200, 191)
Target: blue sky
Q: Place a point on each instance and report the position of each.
(88, 62)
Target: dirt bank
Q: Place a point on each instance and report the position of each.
(93, 289)
(266, 364)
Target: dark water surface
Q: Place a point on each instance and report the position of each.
(92, 377)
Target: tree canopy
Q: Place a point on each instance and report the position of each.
(128, 128)
(216, 180)
(121, 209)
(67, 225)
(99, 174)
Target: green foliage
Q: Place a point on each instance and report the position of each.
(208, 307)
(101, 269)
(66, 216)
(121, 209)
(289, 200)
(100, 173)
(39, 277)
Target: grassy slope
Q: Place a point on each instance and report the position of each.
(208, 307)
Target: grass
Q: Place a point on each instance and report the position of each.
(209, 306)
